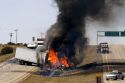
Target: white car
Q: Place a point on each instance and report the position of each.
(32, 45)
(114, 75)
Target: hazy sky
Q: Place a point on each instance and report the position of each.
(116, 23)
(33, 17)
(30, 17)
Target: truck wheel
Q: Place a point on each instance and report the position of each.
(115, 78)
(38, 64)
(122, 78)
(107, 79)
(21, 62)
(29, 63)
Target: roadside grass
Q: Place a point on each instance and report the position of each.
(83, 78)
(7, 56)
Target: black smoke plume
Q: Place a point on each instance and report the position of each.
(67, 35)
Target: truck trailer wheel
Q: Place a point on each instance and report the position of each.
(115, 78)
(29, 63)
(107, 79)
(122, 78)
(21, 62)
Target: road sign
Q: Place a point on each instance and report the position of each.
(112, 33)
(123, 33)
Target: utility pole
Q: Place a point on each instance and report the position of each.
(42, 35)
(97, 38)
(16, 30)
(11, 34)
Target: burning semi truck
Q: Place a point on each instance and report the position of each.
(38, 54)
(30, 56)
(44, 58)
(66, 40)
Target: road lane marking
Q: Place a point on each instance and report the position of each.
(107, 62)
(121, 57)
(23, 77)
(106, 55)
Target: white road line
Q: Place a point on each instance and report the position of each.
(23, 77)
(118, 53)
(13, 73)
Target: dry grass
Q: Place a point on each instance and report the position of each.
(83, 78)
(6, 56)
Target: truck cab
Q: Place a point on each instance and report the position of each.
(103, 48)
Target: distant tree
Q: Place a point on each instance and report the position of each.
(11, 43)
(25, 44)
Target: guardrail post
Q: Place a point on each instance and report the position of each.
(98, 79)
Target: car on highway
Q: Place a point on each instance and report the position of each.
(32, 46)
(114, 75)
(103, 48)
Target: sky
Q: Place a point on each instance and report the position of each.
(32, 18)
(116, 23)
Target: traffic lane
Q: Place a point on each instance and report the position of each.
(112, 81)
(107, 58)
(117, 54)
(12, 72)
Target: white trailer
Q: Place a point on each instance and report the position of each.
(29, 56)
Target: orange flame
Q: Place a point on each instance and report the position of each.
(64, 61)
(53, 58)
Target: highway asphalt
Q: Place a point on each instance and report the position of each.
(117, 54)
(12, 72)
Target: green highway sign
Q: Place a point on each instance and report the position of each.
(115, 33)
(123, 33)
(112, 33)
